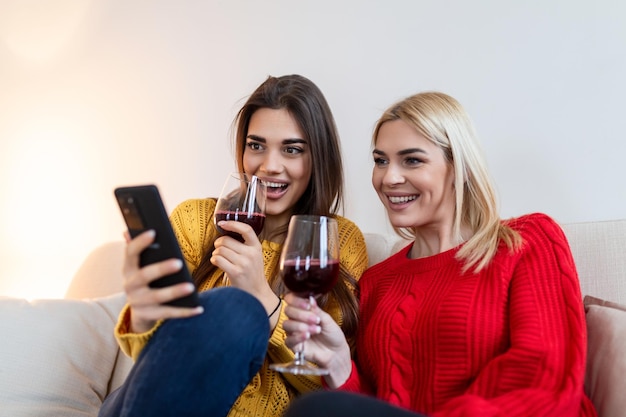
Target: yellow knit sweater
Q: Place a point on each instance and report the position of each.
(269, 392)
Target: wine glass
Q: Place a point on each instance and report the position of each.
(309, 266)
(242, 199)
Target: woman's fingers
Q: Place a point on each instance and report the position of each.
(150, 273)
(245, 230)
(304, 319)
(148, 304)
(134, 247)
(241, 262)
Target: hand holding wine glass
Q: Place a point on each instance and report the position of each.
(309, 266)
(242, 199)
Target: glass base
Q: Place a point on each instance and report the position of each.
(299, 368)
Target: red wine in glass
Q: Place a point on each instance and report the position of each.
(309, 266)
(242, 199)
(310, 278)
(255, 220)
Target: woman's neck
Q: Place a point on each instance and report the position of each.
(271, 226)
(432, 241)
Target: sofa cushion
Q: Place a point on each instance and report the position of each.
(57, 356)
(605, 382)
(598, 249)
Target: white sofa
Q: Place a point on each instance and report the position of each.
(59, 358)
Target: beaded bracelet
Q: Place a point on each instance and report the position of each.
(280, 300)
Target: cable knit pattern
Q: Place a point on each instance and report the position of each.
(508, 341)
(269, 392)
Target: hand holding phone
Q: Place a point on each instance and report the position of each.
(143, 209)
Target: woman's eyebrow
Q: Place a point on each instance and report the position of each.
(402, 152)
(411, 150)
(285, 141)
(293, 140)
(256, 138)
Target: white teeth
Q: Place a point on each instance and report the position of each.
(403, 199)
(274, 184)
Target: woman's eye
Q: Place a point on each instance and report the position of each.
(254, 146)
(380, 161)
(293, 150)
(412, 161)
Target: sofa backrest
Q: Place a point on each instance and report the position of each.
(100, 274)
(599, 250)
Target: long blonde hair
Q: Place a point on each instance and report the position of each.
(441, 119)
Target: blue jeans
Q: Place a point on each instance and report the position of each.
(341, 404)
(196, 366)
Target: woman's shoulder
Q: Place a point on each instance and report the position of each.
(535, 226)
(531, 220)
(194, 211)
(198, 205)
(348, 228)
(351, 238)
(345, 223)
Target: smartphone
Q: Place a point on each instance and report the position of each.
(143, 209)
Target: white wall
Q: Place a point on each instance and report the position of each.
(95, 94)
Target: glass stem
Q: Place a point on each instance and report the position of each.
(299, 355)
(299, 352)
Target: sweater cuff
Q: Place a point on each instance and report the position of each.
(132, 343)
(352, 384)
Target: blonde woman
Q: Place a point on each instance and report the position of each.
(477, 316)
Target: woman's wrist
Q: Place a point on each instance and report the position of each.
(280, 301)
(273, 315)
(340, 367)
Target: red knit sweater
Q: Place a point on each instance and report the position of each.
(508, 341)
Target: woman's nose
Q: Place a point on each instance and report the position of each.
(393, 176)
(271, 164)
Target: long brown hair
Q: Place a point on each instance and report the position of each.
(324, 195)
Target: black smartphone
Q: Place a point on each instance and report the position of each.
(143, 209)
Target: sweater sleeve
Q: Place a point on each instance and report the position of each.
(541, 373)
(353, 256)
(132, 343)
(355, 383)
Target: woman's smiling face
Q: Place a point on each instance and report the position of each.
(412, 177)
(277, 152)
